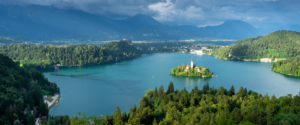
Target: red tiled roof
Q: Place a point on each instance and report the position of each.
(44, 117)
(187, 65)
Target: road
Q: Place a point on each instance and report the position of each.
(50, 103)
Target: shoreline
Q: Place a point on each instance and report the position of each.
(53, 102)
(246, 60)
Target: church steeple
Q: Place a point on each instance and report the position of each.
(192, 63)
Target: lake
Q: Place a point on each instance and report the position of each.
(97, 90)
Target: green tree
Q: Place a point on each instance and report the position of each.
(17, 122)
(171, 87)
(232, 90)
(31, 120)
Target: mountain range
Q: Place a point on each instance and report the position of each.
(49, 23)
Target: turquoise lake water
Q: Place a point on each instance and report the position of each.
(97, 90)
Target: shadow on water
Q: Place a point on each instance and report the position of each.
(287, 76)
(191, 78)
(81, 75)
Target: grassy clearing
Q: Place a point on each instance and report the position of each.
(56, 101)
(49, 98)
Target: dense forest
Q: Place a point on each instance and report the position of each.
(279, 44)
(208, 106)
(21, 93)
(287, 67)
(195, 72)
(44, 57)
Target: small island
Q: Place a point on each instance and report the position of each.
(191, 71)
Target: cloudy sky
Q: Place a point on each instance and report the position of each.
(200, 13)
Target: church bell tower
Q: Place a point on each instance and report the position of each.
(192, 63)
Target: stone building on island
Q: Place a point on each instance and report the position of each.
(192, 66)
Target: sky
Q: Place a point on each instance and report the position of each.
(201, 13)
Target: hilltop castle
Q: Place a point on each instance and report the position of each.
(128, 41)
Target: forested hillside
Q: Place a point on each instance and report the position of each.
(21, 91)
(44, 57)
(279, 44)
(208, 106)
(287, 67)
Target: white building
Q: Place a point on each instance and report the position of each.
(198, 69)
(187, 67)
(151, 48)
(204, 48)
(200, 52)
(265, 60)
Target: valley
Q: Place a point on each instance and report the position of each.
(159, 62)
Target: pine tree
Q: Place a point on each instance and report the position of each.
(31, 120)
(195, 88)
(161, 91)
(171, 87)
(17, 122)
(232, 90)
(242, 91)
(155, 94)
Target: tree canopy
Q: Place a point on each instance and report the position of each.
(45, 56)
(279, 44)
(21, 92)
(208, 106)
(288, 67)
(193, 72)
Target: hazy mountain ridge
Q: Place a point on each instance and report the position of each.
(49, 23)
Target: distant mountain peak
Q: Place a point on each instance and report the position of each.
(143, 18)
(237, 23)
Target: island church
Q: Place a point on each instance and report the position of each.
(192, 66)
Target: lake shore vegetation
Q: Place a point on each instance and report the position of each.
(287, 67)
(45, 56)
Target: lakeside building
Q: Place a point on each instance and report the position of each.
(265, 60)
(151, 48)
(56, 66)
(200, 52)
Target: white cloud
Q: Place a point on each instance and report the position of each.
(167, 11)
(254, 18)
(211, 24)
